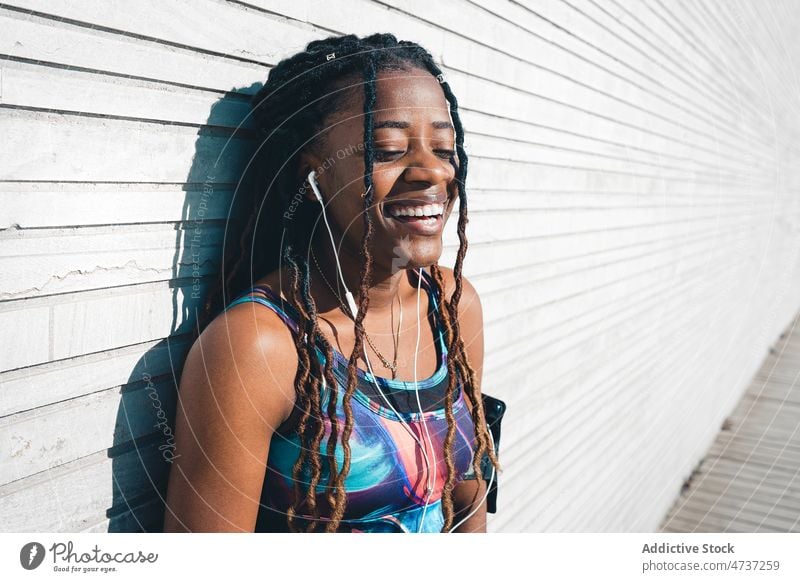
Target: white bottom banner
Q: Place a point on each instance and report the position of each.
(487, 557)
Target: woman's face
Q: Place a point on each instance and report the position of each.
(414, 140)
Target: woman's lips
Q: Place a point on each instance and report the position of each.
(400, 211)
(425, 225)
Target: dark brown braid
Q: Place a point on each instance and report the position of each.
(291, 110)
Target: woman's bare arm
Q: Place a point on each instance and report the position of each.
(237, 386)
(470, 491)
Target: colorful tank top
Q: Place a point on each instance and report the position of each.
(387, 481)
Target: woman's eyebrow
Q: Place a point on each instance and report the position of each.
(405, 124)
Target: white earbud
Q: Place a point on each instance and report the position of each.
(312, 179)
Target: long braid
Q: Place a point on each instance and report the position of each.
(450, 314)
(290, 110)
(466, 372)
(308, 313)
(304, 398)
(312, 331)
(363, 290)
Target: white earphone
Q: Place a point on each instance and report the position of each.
(312, 179)
(354, 309)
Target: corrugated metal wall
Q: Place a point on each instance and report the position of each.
(634, 231)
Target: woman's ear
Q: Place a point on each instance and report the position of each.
(305, 163)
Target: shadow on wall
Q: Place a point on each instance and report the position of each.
(211, 221)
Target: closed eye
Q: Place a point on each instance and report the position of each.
(384, 155)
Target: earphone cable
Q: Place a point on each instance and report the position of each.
(354, 309)
(430, 487)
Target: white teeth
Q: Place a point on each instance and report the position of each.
(427, 210)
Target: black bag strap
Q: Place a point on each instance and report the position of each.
(493, 409)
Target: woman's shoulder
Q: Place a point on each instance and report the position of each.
(469, 296)
(252, 346)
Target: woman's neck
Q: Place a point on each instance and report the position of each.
(384, 285)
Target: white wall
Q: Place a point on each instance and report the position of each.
(633, 235)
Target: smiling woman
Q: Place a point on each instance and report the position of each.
(277, 429)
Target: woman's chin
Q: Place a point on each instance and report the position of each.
(408, 253)
(423, 260)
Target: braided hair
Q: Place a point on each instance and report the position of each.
(290, 111)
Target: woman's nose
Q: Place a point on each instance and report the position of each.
(425, 166)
